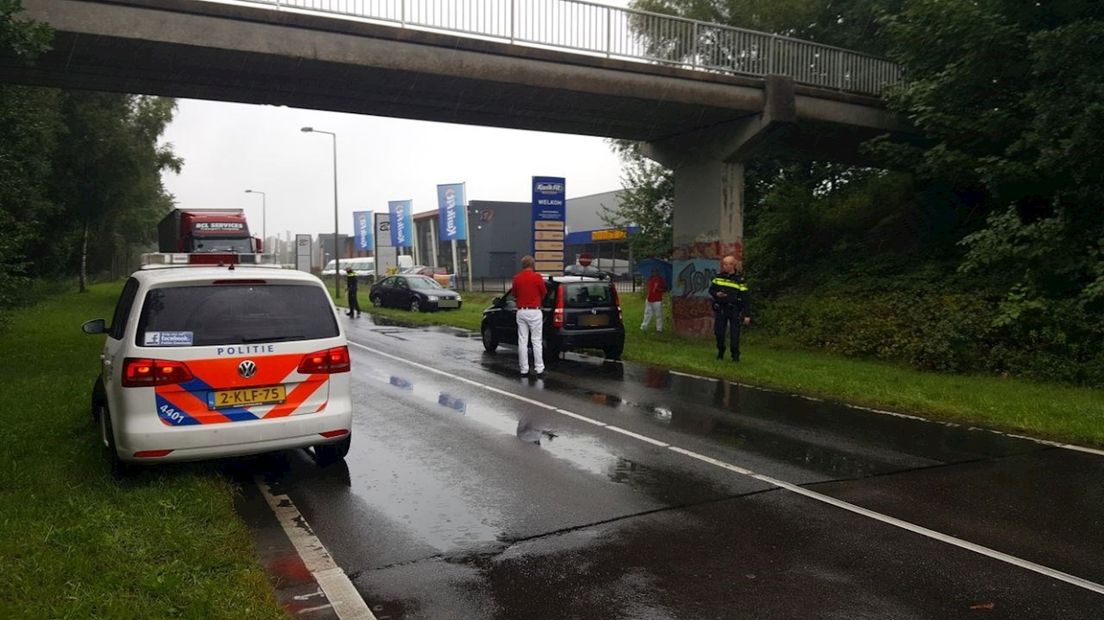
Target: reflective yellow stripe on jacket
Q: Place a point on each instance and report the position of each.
(730, 284)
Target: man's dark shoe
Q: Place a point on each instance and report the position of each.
(540, 375)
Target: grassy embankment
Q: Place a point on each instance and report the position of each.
(1049, 411)
(76, 543)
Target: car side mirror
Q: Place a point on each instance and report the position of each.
(95, 326)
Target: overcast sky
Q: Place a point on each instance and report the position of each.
(228, 148)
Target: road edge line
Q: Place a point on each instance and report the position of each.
(339, 589)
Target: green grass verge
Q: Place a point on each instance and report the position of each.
(1048, 411)
(76, 543)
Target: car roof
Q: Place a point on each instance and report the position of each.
(188, 273)
(566, 279)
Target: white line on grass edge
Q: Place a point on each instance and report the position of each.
(793, 488)
(341, 593)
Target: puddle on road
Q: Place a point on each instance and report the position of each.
(581, 450)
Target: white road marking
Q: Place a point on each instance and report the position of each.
(787, 486)
(344, 598)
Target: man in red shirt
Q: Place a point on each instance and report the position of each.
(653, 306)
(529, 292)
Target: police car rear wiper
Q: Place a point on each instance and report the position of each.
(272, 338)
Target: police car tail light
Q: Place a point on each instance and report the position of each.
(145, 372)
(558, 311)
(325, 362)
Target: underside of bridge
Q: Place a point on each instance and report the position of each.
(703, 125)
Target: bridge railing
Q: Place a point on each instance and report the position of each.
(626, 34)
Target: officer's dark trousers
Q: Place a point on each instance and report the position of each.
(354, 303)
(731, 321)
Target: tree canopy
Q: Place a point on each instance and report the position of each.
(80, 182)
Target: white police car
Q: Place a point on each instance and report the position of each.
(203, 362)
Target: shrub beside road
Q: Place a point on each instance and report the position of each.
(1045, 410)
(77, 543)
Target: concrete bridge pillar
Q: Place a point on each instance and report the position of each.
(708, 217)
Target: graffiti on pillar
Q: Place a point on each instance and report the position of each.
(692, 277)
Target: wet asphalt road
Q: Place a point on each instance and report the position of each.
(459, 500)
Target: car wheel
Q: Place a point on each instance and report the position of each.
(550, 352)
(490, 342)
(415, 305)
(613, 353)
(328, 453)
(119, 467)
(376, 301)
(99, 399)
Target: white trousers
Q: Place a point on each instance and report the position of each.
(653, 309)
(530, 326)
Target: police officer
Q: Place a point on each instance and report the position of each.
(731, 305)
(351, 286)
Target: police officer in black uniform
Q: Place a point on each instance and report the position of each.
(731, 306)
(351, 287)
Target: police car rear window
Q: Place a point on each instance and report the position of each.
(234, 314)
(587, 294)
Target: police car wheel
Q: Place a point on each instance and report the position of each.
(119, 468)
(327, 453)
(99, 399)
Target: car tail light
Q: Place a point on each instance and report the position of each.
(145, 372)
(558, 312)
(329, 361)
(617, 301)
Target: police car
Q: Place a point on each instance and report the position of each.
(210, 361)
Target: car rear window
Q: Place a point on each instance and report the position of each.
(234, 313)
(587, 294)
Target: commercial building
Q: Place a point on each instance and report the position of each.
(500, 235)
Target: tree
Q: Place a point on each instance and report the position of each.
(647, 201)
(107, 173)
(1011, 98)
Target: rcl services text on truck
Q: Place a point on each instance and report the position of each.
(208, 235)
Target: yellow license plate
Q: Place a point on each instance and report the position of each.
(594, 320)
(248, 397)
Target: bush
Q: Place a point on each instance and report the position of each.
(946, 332)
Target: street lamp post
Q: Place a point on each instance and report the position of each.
(264, 214)
(337, 254)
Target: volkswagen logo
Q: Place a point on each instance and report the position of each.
(247, 369)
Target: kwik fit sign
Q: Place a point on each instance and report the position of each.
(402, 222)
(362, 229)
(549, 214)
(451, 212)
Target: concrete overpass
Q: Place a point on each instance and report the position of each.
(702, 124)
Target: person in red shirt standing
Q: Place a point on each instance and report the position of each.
(529, 292)
(653, 305)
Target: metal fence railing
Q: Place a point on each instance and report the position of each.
(625, 34)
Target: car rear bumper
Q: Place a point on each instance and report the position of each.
(591, 339)
(143, 431)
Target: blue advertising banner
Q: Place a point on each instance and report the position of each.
(402, 222)
(451, 210)
(362, 229)
(549, 214)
